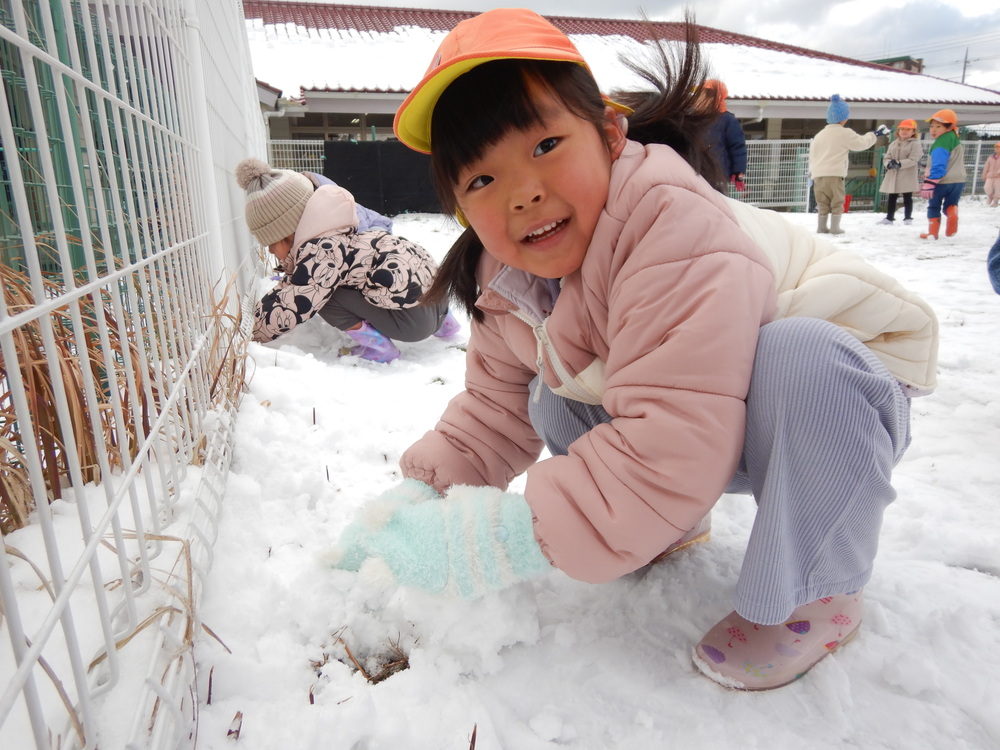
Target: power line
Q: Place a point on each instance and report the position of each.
(918, 49)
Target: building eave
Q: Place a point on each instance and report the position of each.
(969, 113)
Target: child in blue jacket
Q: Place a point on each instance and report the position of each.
(944, 179)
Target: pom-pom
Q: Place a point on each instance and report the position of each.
(377, 573)
(378, 513)
(331, 557)
(250, 169)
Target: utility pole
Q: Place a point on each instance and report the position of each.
(965, 64)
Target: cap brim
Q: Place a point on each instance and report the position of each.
(617, 106)
(412, 123)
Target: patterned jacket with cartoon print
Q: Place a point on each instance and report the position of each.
(327, 253)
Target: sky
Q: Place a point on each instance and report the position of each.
(943, 32)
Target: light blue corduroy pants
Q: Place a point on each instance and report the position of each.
(826, 423)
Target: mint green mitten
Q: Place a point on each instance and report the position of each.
(472, 541)
(352, 549)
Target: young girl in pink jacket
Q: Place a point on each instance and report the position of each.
(629, 318)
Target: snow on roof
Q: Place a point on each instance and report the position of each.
(307, 46)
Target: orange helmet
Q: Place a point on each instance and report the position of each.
(911, 124)
(944, 115)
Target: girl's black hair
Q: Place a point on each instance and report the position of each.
(480, 107)
(678, 111)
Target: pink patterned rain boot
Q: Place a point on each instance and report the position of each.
(741, 655)
(372, 345)
(449, 327)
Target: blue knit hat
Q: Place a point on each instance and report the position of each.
(838, 110)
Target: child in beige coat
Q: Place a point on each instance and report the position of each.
(900, 162)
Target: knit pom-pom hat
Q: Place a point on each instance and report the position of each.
(276, 199)
(838, 111)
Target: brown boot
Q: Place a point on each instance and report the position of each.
(934, 226)
(951, 227)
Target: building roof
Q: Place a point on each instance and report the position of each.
(328, 51)
(385, 20)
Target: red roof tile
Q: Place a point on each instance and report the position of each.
(369, 18)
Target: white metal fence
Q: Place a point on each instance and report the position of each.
(120, 226)
(777, 171)
(300, 156)
(777, 174)
(976, 154)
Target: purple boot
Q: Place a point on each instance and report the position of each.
(372, 345)
(449, 327)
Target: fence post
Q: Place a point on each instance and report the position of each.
(206, 199)
(977, 169)
(879, 174)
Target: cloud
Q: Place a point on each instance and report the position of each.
(938, 32)
(939, 35)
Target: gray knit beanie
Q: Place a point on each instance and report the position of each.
(276, 199)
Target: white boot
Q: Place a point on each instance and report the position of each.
(835, 224)
(821, 227)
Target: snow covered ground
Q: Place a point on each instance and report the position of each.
(558, 663)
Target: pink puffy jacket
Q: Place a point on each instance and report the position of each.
(659, 325)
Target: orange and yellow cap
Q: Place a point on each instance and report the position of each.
(500, 34)
(911, 124)
(944, 115)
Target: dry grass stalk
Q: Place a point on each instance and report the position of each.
(51, 437)
(227, 364)
(389, 663)
(14, 552)
(236, 726)
(187, 610)
(63, 696)
(150, 620)
(185, 598)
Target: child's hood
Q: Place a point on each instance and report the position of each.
(330, 210)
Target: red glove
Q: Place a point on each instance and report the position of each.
(737, 180)
(927, 189)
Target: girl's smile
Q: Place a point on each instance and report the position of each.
(534, 198)
(545, 232)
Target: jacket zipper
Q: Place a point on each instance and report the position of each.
(545, 345)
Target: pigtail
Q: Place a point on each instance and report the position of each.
(456, 277)
(673, 113)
